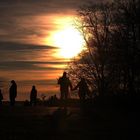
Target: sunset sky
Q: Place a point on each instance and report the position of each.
(37, 38)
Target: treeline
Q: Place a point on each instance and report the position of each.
(110, 61)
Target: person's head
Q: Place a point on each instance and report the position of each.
(33, 87)
(13, 82)
(64, 74)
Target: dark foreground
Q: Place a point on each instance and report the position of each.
(83, 122)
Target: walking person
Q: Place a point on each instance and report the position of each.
(65, 84)
(33, 96)
(83, 89)
(13, 92)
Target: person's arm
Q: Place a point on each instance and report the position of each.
(59, 81)
(76, 87)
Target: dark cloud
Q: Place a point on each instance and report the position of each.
(11, 51)
(18, 17)
(30, 65)
(33, 7)
(17, 56)
(41, 82)
(20, 46)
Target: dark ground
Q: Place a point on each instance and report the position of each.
(107, 121)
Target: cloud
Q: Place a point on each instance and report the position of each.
(18, 52)
(21, 8)
(30, 65)
(20, 46)
(21, 19)
(38, 82)
(18, 56)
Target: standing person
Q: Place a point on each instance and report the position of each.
(83, 89)
(13, 92)
(33, 96)
(64, 83)
(1, 97)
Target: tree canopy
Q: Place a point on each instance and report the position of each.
(110, 62)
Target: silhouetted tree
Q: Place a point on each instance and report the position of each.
(112, 39)
(95, 25)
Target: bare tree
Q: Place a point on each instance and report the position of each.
(95, 25)
(111, 33)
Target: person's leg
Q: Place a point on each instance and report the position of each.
(12, 101)
(0, 102)
(31, 102)
(35, 102)
(62, 95)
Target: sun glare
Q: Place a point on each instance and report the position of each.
(69, 42)
(68, 39)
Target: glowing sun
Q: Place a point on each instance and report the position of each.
(69, 41)
(67, 38)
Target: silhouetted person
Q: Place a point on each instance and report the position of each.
(64, 83)
(33, 96)
(13, 92)
(83, 89)
(1, 97)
